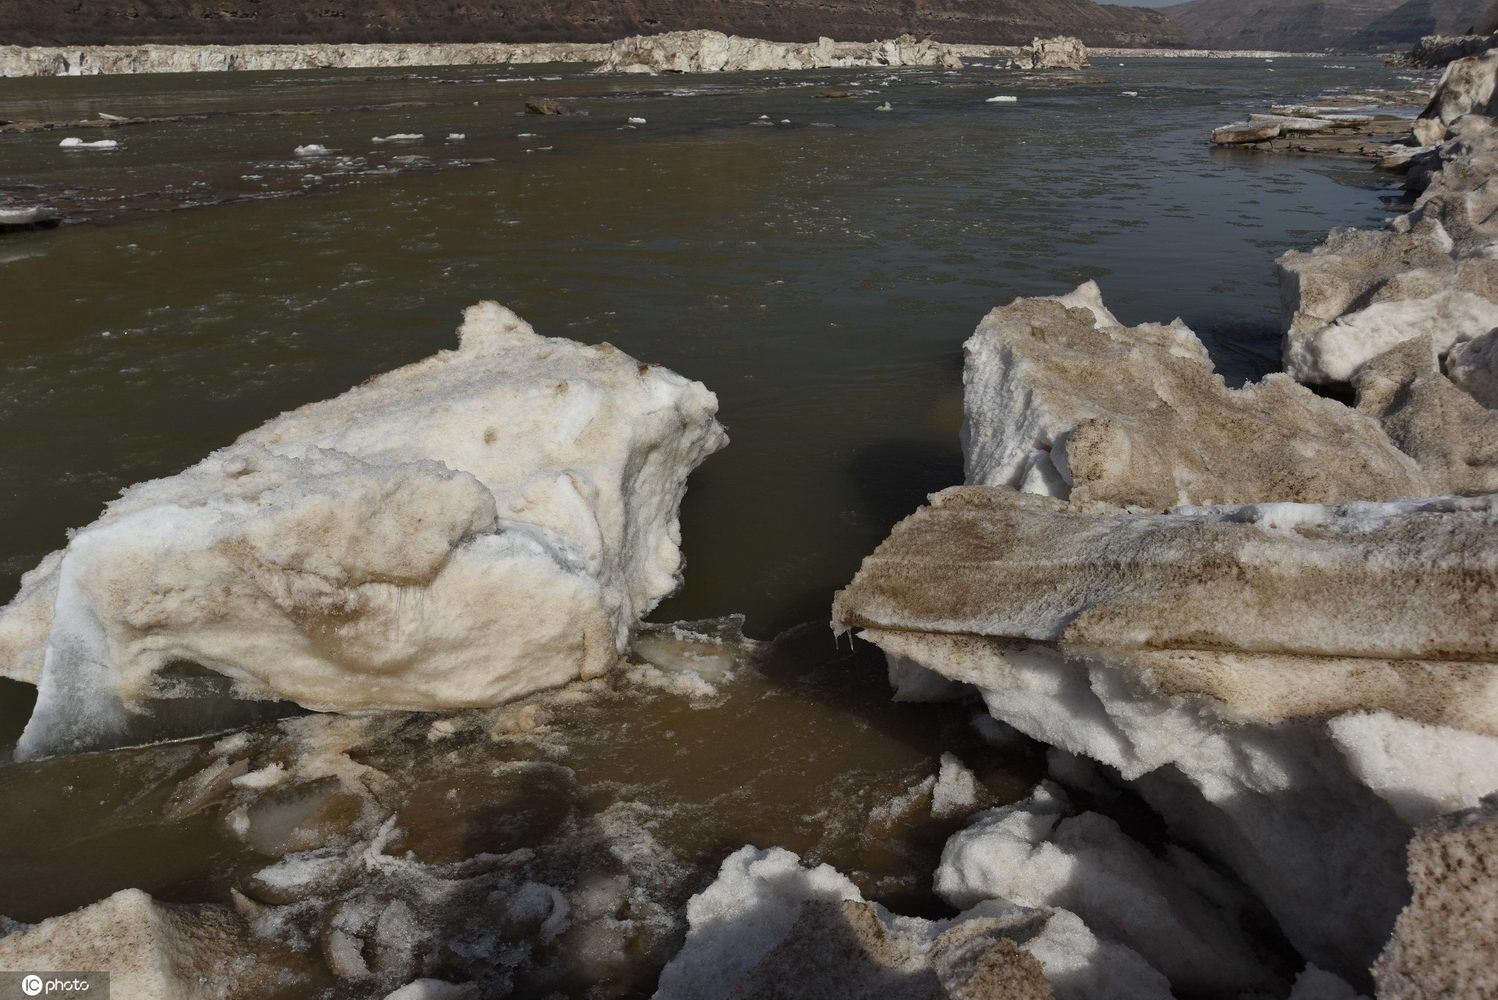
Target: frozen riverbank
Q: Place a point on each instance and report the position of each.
(97, 60)
(1286, 659)
(684, 47)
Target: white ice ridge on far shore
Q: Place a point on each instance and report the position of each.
(487, 522)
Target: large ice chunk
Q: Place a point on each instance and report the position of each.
(1466, 86)
(1452, 436)
(1473, 366)
(158, 951)
(1064, 400)
(1173, 910)
(487, 522)
(1362, 292)
(1289, 686)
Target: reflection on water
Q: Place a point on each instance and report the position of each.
(820, 276)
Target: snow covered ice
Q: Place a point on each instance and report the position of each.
(769, 920)
(1061, 398)
(487, 522)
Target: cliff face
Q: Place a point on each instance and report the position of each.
(1322, 24)
(124, 22)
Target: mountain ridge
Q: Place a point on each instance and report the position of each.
(1339, 25)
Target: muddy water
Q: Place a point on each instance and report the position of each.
(819, 275)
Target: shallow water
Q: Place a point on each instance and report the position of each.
(820, 276)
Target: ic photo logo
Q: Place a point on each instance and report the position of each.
(33, 985)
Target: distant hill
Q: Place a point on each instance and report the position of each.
(80, 22)
(1314, 25)
(1413, 20)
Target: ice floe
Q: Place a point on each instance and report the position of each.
(487, 522)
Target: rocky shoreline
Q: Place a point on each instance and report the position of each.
(683, 51)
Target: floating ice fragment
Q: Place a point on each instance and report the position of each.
(637, 121)
(312, 149)
(529, 135)
(1131, 93)
(399, 137)
(110, 118)
(886, 106)
(433, 989)
(30, 216)
(1002, 99)
(74, 143)
(266, 777)
(456, 136)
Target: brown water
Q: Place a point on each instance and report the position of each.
(819, 276)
